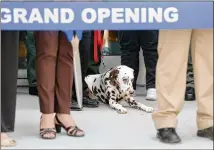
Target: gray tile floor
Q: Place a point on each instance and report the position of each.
(105, 129)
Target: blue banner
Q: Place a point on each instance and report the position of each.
(105, 15)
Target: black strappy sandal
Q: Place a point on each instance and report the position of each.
(45, 131)
(71, 130)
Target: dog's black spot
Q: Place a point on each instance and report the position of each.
(95, 79)
(103, 97)
(113, 98)
(108, 94)
(102, 89)
(99, 97)
(113, 92)
(99, 91)
(106, 100)
(95, 90)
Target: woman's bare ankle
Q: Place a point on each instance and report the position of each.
(4, 136)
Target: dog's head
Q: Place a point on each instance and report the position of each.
(123, 76)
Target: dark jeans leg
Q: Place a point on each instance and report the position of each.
(9, 73)
(93, 67)
(31, 59)
(149, 44)
(190, 77)
(130, 47)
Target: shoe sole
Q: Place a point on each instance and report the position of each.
(167, 141)
(150, 99)
(204, 136)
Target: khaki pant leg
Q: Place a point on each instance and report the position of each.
(171, 71)
(202, 56)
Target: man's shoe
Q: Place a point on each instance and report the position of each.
(190, 94)
(151, 94)
(206, 133)
(90, 103)
(74, 106)
(168, 135)
(86, 103)
(33, 91)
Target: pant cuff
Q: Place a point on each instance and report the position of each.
(205, 124)
(63, 111)
(164, 122)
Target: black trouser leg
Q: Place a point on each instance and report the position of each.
(85, 48)
(9, 73)
(93, 67)
(149, 43)
(130, 47)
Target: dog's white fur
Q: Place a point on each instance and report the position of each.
(113, 86)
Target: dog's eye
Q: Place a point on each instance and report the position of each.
(125, 80)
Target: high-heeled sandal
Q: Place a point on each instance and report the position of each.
(71, 130)
(45, 131)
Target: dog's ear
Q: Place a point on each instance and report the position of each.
(113, 76)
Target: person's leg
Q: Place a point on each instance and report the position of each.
(149, 44)
(93, 67)
(202, 57)
(46, 57)
(31, 60)
(64, 81)
(9, 73)
(84, 49)
(190, 90)
(130, 47)
(171, 69)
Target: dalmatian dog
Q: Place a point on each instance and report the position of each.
(113, 86)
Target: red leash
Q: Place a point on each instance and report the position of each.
(98, 43)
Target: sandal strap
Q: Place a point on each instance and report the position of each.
(47, 130)
(72, 130)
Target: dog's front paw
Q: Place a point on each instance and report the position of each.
(149, 109)
(122, 110)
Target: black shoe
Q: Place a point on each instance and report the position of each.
(190, 94)
(206, 133)
(90, 103)
(86, 103)
(33, 91)
(74, 106)
(168, 135)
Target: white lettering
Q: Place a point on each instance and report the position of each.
(130, 15)
(91, 12)
(67, 12)
(35, 16)
(117, 15)
(143, 15)
(5, 15)
(19, 14)
(103, 13)
(157, 15)
(51, 15)
(171, 14)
